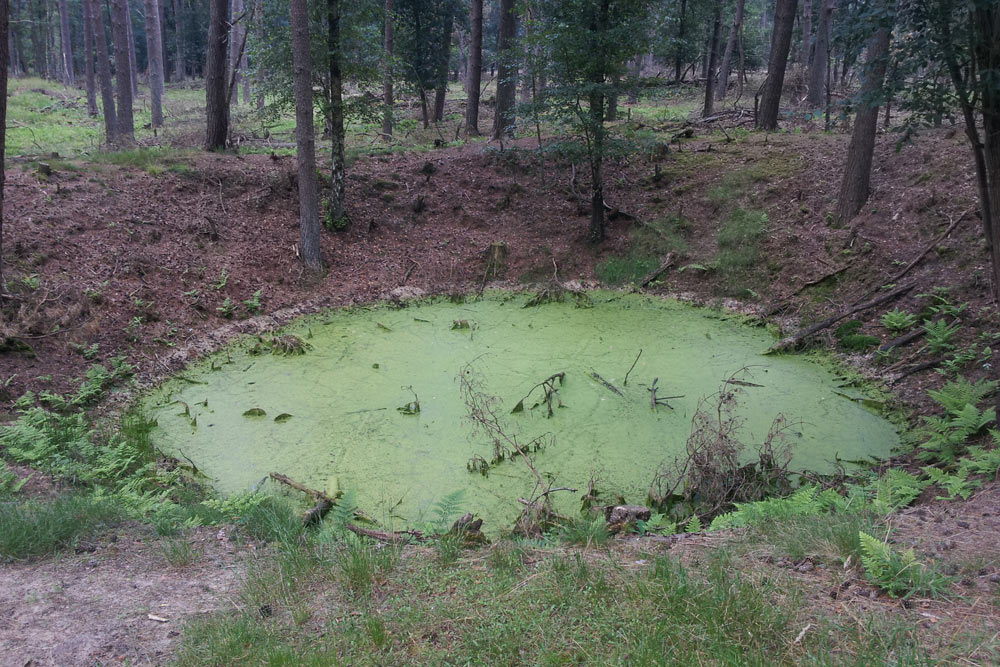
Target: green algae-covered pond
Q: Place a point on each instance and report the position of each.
(330, 419)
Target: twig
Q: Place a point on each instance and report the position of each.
(607, 384)
(625, 381)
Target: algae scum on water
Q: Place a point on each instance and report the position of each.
(375, 405)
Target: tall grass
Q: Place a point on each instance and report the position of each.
(33, 528)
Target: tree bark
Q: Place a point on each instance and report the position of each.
(503, 122)
(305, 138)
(441, 87)
(88, 59)
(821, 56)
(37, 14)
(475, 79)
(178, 42)
(679, 52)
(781, 40)
(123, 81)
(235, 56)
(806, 47)
(104, 71)
(336, 210)
(727, 57)
(154, 59)
(595, 234)
(4, 59)
(387, 94)
(713, 57)
(857, 171)
(215, 76)
(66, 43)
(133, 70)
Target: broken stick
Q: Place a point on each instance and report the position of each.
(795, 339)
(652, 275)
(607, 384)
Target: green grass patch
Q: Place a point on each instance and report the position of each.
(740, 254)
(735, 184)
(650, 242)
(32, 528)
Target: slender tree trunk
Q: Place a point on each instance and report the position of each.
(611, 112)
(154, 55)
(441, 88)
(387, 94)
(713, 58)
(475, 68)
(120, 28)
(235, 40)
(178, 42)
(245, 67)
(857, 172)
(104, 71)
(88, 59)
(37, 13)
(336, 210)
(634, 75)
(503, 122)
(305, 138)
(66, 43)
(215, 76)
(806, 47)
(781, 41)
(727, 57)
(133, 70)
(821, 56)
(4, 59)
(679, 52)
(595, 234)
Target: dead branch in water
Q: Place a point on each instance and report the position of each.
(607, 384)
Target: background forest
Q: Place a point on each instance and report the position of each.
(180, 173)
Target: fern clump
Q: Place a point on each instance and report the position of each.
(900, 575)
(943, 438)
(807, 501)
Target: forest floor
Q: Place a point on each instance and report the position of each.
(154, 253)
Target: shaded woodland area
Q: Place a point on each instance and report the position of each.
(178, 174)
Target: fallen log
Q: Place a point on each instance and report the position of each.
(916, 368)
(652, 275)
(792, 341)
(902, 340)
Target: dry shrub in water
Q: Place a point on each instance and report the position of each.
(709, 479)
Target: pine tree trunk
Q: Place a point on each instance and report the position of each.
(441, 86)
(235, 40)
(475, 80)
(805, 49)
(178, 42)
(727, 58)
(133, 70)
(595, 234)
(336, 209)
(713, 58)
(681, 34)
(857, 172)
(611, 114)
(387, 94)
(781, 41)
(103, 67)
(154, 54)
(305, 138)
(123, 82)
(37, 13)
(88, 59)
(4, 60)
(217, 47)
(503, 122)
(821, 56)
(66, 44)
